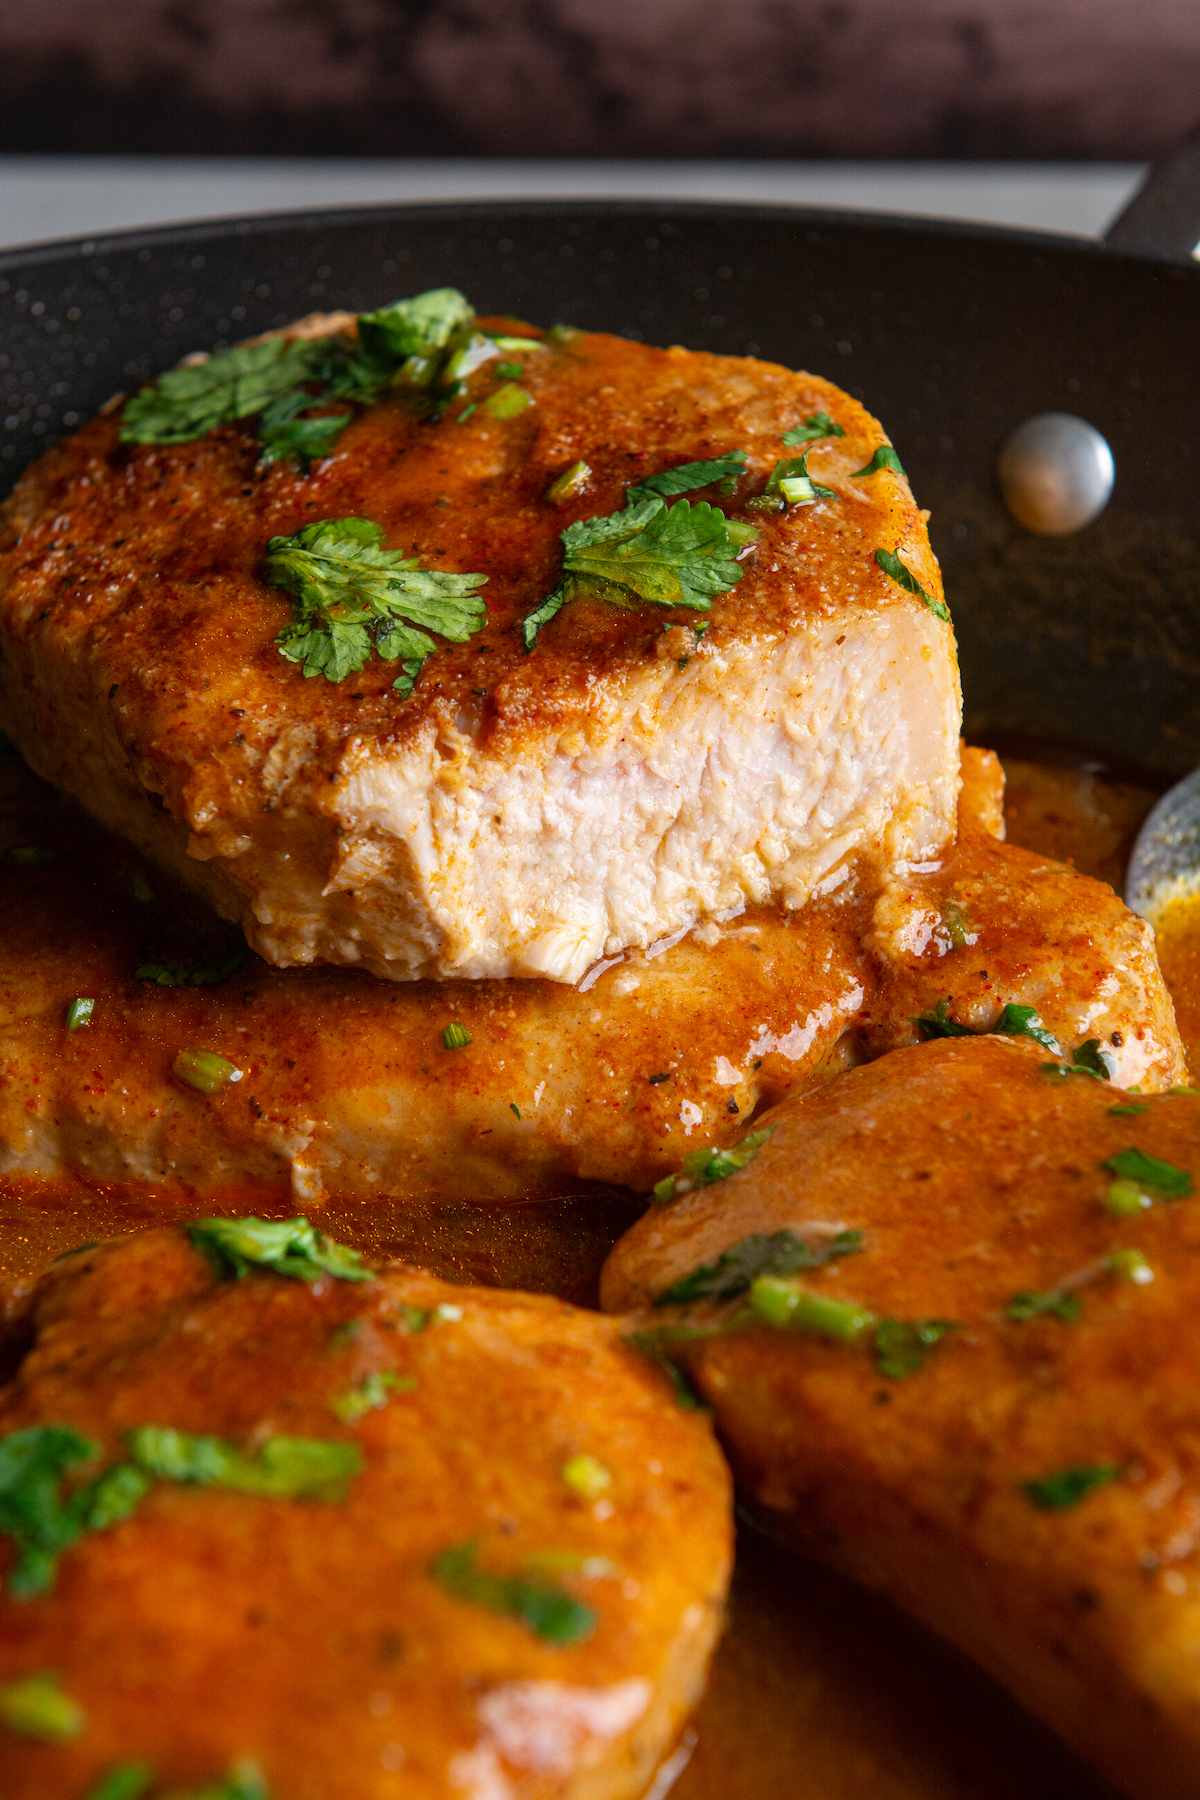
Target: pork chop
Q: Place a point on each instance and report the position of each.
(350, 1085)
(986, 1406)
(373, 1537)
(519, 812)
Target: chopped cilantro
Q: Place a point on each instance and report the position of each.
(1029, 1305)
(895, 570)
(33, 1512)
(190, 974)
(80, 1013)
(650, 553)
(284, 1468)
(372, 1395)
(510, 371)
(884, 458)
(416, 1318)
(455, 1036)
(205, 1070)
(1068, 1486)
(1194, 1092)
(901, 1345)
(231, 384)
(1128, 1112)
(351, 597)
(283, 435)
(686, 477)
(1161, 1178)
(514, 1109)
(129, 1782)
(941, 1025)
(817, 425)
(290, 1247)
(586, 1476)
(416, 327)
(702, 1167)
(37, 1707)
(1023, 1021)
(552, 1615)
(782, 1253)
(1090, 1061)
(654, 1344)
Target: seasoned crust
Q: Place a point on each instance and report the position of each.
(448, 833)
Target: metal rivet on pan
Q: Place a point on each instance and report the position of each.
(1056, 474)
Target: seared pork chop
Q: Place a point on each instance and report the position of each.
(987, 1407)
(375, 1537)
(349, 1084)
(519, 812)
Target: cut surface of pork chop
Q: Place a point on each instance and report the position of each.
(348, 1084)
(990, 1411)
(367, 1522)
(519, 813)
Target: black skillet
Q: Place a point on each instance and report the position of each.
(950, 334)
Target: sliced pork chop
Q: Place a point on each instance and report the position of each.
(519, 813)
(350, 1085)
(1025, 1475)
(375, 1536)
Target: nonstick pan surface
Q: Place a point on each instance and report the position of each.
(950, 335)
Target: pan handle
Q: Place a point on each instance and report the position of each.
(1164, 215)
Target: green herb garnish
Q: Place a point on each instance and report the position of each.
(889, 562)
(32, 856)
(1057, 1304)
(1160, 1178)
(455, 1036)
(586, 1476)
(901, 1345)
(686, 477)
(1128, 1112)
(80, 1013)
(782, 1301)
(884, 458)
(233, 384)
(37, 1707)
(648, 553)
(1068, 1486)
(206, 1070)
(554, 1616)
(351, 597)
(791, 482)
(285, 436)
(655, 1344)
(702, 1167)
(1023, 1021)
(288, 1247)
(570, 484)
(817, 425)
(129, 1782)
(941, 1025)
(782, 1253)
(1090, 1061)
(284, 1468)
(33, 1512)
(190, 974)
(372, 1396)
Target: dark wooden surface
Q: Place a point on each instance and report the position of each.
(838, 78)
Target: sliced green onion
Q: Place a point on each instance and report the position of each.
(507, 401)
(588, 1477)
(570, 484)
(784, 1302)
(1130, 1265)
(455, 1037)
(80, 1013)
(205, 1070)
(1126, 1198)
(36, 1707)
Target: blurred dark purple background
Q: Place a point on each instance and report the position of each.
(1046, 79)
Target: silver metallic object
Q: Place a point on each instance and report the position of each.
(1165, 864)
(1056, 474)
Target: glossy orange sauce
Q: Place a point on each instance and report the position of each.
(819, 1691)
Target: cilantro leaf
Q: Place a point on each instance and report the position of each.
(288, 1247)
(901, 1345)
(702, 1167)
(900, 573)
(1023, 1021)
(1068, 1486)
(414, 327)
(1091, 1056)
(372, 1396)
(33, 1463)
(941, 1025)
(884, 458)
(1028, 1305)
(817, 425)
(687, 476)
(532, 623)
(231, 384)
(285, 1468)
(554, 1616)
(352, 597)
(284, 435)
(1161, 1178)
(190, 974)
(128, 1782)
(782, 1253)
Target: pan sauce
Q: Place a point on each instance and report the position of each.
(819, 1690)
